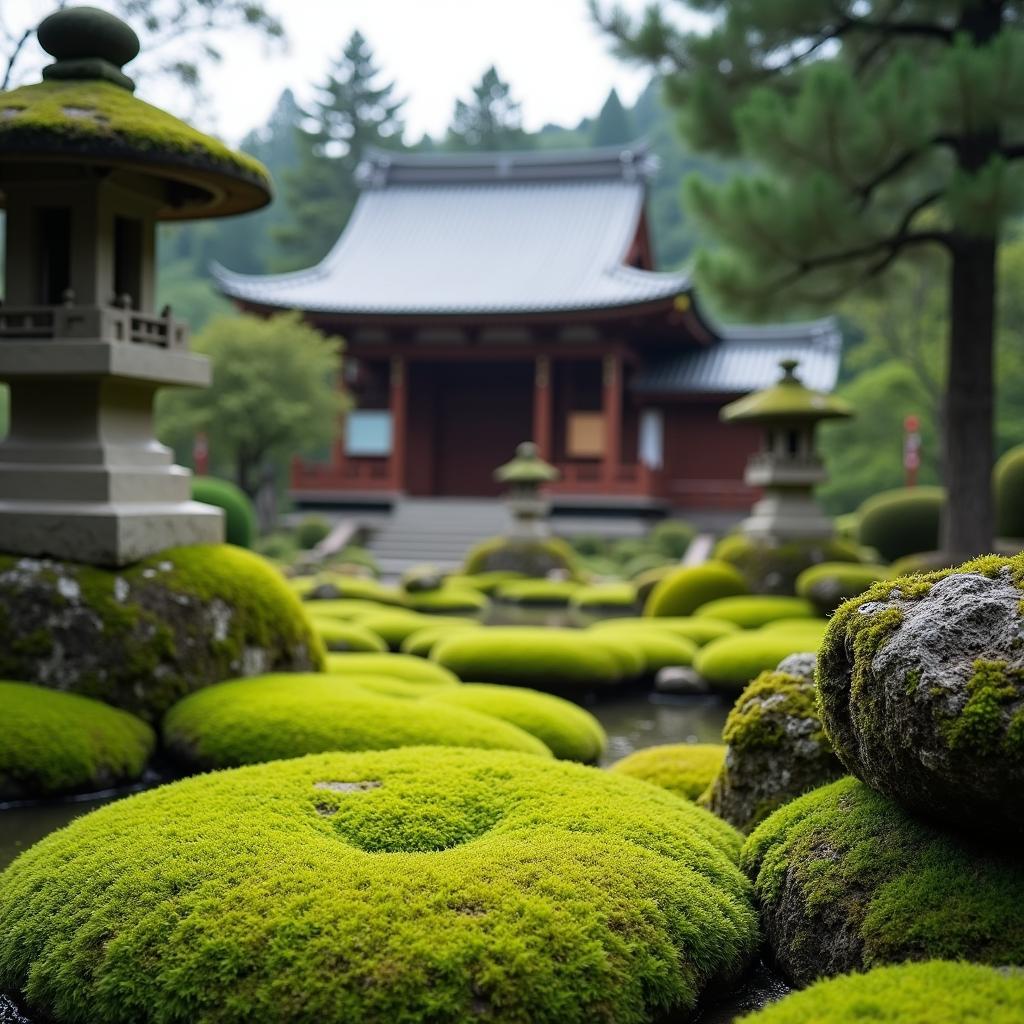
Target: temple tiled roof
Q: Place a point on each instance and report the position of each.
(480, 234)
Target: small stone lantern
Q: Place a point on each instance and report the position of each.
(787, 467)
(525, 475)
(86, 172)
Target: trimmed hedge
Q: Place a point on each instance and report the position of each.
(933, 993)
(700, 630)
(828, 585)
(568, 731)
(683, 591)
(423, 641)
(753, 611)
(733, 661)
(686, 769)
(545, 659)
(1008, 481)
(538, 593)
(239, 514)
(251, 720)
(397, 666)
(904, 521)
(53, 743)
(346, 636)
(513, 886)
(847, 880)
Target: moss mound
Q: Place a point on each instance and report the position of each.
(423, 641)
(733, 661)
(902, 521)
(328, 586)
(672, 537)
(682, 591)
(686, 769)
(811, 631)
(1008, 481)
(699, 630)
(828, 585)
(659, 648)
(239, 514)
(922, 691)
(447, 600)
(568, 731)
(406, 885)
(392, 625)
(526, 557)
(777, 750)
(605, 597)
(931, 993)
(774, 568)
(538, 593)
(547, 659)
(751, 612)
(251, 720)
(397, 666)
(847, 880)
(53, 743)
(143, 637)
(338, 635)
(345, 609)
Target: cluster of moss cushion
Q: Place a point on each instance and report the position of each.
(529, 557)
(416, 884)
(773, 567)
(730, 662)
(686, 769)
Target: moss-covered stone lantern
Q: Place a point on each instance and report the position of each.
(787, 467)
(87, 171)
(525, 476)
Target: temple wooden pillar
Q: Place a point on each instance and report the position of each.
(611, 407)
(542, 407)
(398, 421)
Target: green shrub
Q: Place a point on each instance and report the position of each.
(773, 568)
(142, 637)
(568, 731)
(849, 881)
(527, 557)
(547, 659)
(686, 769)
(405, 886)
(397, 666)
(828, 585)
(279, 547)
(239, 514)
(673, 538)
(901, 522)
(932, 993)
(732, 661)
(538, 593)
(269, 717)
(700, 630)
(660, 648)
(627, 548)
(447, 600)
(589, 545)
(922, 562)
(311, 531)
(604, 597)
(423, 641)
(53, 743)
(750, 612)
(684, 590)
(848, 527)
(1008, 481)
(338, 635)
(353, 557)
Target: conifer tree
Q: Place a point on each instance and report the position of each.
(879, 128)
(353, 111)
(613, 127)
(490, 120)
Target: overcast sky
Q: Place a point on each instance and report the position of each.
(557, 62)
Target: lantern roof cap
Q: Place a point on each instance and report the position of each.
(788, 400)
(84, 114)
(526, 468)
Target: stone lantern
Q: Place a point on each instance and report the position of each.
(86, 173)
(787, 468)
(525, 475)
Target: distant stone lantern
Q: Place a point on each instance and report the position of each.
(525, 476)
(787, 467)
(86, 172)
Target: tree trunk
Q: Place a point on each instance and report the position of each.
(969, 521)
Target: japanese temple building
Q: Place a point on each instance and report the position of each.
(489, 299)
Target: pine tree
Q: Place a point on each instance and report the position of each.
(353, 111)
(613, 127)
(880, 128)
(490, 120)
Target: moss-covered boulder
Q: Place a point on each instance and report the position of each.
(830, 584)
(338, 635)
(773, 568)
(538, 593)
(246, 721)
(407, 885)
(902, 522)
(569, 732)
(398, 666)
(700, 631)
(55, 743)
(528, 557)
(685, 769)
(847, 880)
(776, 750)
(922, 692)
(545, 659)
(731, 662)
(143, 637)
(682, 591)
(754, 610)
(939, 992)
